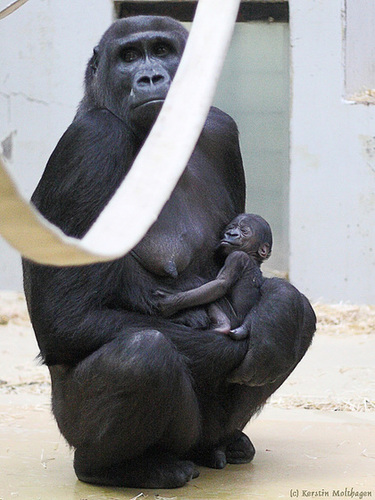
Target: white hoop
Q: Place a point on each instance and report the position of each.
(145, 189)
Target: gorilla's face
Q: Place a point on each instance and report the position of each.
(249, 233)
(133, 66)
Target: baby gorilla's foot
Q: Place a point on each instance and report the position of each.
(219, 320)
(239, 333)
(221, 328)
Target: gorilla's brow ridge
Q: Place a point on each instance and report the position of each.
(146, 36)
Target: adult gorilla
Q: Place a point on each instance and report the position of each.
(139, 396)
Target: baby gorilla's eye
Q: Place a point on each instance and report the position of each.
(130, 54)
(161, 49)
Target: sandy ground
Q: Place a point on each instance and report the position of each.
(315, 438)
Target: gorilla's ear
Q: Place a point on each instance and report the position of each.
(94, 61)
(264, 251)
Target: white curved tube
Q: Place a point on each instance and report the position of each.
(155, 171)
(31, 234)
(11, 8)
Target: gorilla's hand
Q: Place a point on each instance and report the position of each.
(263, 364)
(281, 327)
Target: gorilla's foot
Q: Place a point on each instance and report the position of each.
(240, 450)
(214, 458)
(237, 449)
(157, 471)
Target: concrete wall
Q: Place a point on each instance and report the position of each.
(254, 90)
(44, 48)
(332, 174)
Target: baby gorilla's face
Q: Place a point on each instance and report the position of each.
(247, 233)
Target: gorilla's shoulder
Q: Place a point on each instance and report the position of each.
(221, 131)
(96, 121)
(221, 124)
(92, 144)
(91, 133)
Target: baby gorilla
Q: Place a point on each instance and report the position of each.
(247, 242)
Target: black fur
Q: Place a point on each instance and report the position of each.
(137, 395)
(247, 242)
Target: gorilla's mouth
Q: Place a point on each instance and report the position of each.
(226, 243)
(150, 102)
(144, 113)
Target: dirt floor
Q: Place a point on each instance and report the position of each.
(315, 438)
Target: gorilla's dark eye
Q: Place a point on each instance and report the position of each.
(161, 49)
(130, 54)
(246, 230)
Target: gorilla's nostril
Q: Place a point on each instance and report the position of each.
(144, 81)
(157, 79)
(148, 81)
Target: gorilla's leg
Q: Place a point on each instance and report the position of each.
(238, 404)
(243, 403)
(129, 409)
(223, 420)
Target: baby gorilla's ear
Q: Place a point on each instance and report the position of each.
(264, 251)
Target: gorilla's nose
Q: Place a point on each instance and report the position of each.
(232, 233)
(150, 80)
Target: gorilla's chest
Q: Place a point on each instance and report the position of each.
(186, 231)
(167, 253)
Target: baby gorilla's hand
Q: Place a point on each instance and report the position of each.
(166, 302)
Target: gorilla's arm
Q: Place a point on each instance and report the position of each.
(236, 266)
(69, 310)
(88, 164)
(69, 322)
(76, 310)
(282, 325)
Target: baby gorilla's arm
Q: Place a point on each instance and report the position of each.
(169, 304)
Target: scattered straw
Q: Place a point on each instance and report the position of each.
(309, 403)
(13, 308)
(366, 96)
(338, 319)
